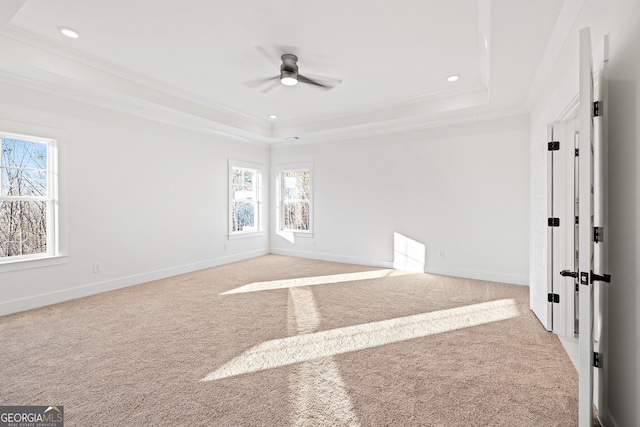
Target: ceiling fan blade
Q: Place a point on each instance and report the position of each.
(273, 85)
(259, 82)
(273, 59)
(273, 54)
(323, 82)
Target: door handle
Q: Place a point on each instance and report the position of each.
(600, 278)
(567, 273)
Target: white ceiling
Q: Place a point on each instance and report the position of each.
(187, 61)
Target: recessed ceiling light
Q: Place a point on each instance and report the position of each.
(69, 32)
(273, 116)
(453, 78)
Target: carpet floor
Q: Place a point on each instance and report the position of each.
(281, 341)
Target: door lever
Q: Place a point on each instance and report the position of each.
(567, 273)
(600, 278)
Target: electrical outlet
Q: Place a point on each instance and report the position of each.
(441, 254)
(97, 267)
(226, 246)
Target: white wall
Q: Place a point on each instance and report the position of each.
(145, 200)
(621, 20)
(461, 189)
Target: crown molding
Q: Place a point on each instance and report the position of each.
(398, 128)
(130, 106)
(60, 50)
(399, 113)
(32, 67)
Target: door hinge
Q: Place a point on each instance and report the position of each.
(577, 220)
(597, 362)
(554, 298)
(597, 108)
(598, 234)
(553, 145)
(553, 222)
(577, 152)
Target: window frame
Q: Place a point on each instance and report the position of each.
(51, 199)
(280, 194)
(60, 136)
(259, 202)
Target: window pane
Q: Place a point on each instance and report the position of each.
(245, 199)
(23, 182)
(248, 180)
(296, 185)
(295, 215)
(24, 154)
(237, 176)
(243, 216)
(23, 228)
(23, 168)
(296, 200)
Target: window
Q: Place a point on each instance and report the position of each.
(245, 198)
(295, 203)
(27, 197)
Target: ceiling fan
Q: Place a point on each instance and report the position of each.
(289, 76)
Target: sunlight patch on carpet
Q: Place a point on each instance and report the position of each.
(306, 317)
(320, 396)
(317, 389)
(316, 280)
(311, 346)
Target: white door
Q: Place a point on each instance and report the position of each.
(592, 217)
(540, 263)
(565, 235)
(562, 216)
(600, 220)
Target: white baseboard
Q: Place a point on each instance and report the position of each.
(609, 420)
(515, 279)
(28, 303)
(334, 258)
(455, 272)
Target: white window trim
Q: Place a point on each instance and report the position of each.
(55, 238)
(306, 166)
(260, 202)
(32, 261)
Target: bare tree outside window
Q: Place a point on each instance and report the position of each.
(296, 200)
(244, 199)
(24, 196)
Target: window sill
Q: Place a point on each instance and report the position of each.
(29, 263)
(294, 234)
(246, 235)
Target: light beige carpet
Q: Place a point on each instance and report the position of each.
(279, 341)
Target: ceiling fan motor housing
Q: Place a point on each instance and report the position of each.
(289, 67)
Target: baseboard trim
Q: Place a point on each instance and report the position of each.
(514, 279)
(334, 258)
(609, 420)
(36, 301)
